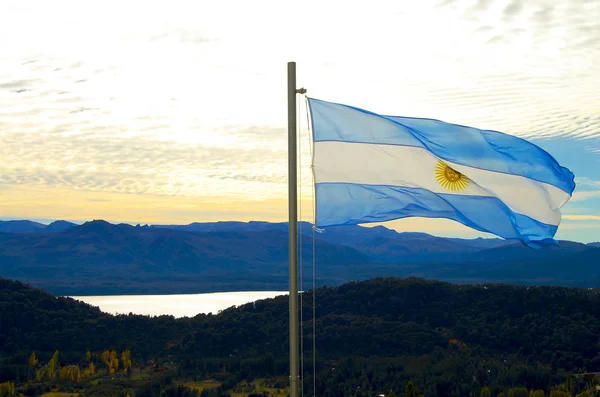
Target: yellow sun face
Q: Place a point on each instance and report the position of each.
(449, 178)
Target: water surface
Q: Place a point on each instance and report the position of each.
(184, 305)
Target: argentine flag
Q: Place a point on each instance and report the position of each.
(373, 168)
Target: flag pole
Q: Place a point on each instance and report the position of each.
(293, 226)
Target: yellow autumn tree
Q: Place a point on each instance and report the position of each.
(88, 356)
(105, 357)
(49, 370)
(485, 392)
(126, 359)
(7, 389)
(70, 372)
(113, 366)
(518, 392)
(91, 370)
(33, 362)
(112, 362)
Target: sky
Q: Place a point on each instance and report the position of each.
(176, 112)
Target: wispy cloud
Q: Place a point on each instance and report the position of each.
(582, 217)
(585, 195)
(190, 100)
(96, 161)
(191, 36)
(513, 9)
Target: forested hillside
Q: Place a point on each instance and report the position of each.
(451, 340)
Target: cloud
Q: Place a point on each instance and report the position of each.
(544, 14)
(190, 36)
(583, 181)
(141, 165)
(582, 217)
(496, 39)
(513, 9)
(482, 5)
(585, 195)
(16, 85)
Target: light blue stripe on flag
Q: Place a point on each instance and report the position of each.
(350, 204)
(374, 168)
(484, 149)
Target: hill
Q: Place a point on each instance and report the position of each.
(451, 340)
(20, 227)
(102, 258)
(24, 226)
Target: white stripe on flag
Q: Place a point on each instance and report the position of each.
(407, 166)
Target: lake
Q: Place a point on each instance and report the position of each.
(184, 305)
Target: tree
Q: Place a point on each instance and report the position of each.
(518, 392)
(49, 370)
(113, 363)
(411, 390)
(105, 357)
(7, 389)
(126, 359)
(539, 393)
(91, 370)
(88, 356)
(33, 362)
(71, 373)
(485, 392)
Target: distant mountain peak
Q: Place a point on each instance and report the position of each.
(21, 226)
(59, 226)
(100, 226)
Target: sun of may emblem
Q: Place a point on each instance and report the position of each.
(449, 178)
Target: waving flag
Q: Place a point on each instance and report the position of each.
(374, 168)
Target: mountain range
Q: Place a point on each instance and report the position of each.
(98, 257)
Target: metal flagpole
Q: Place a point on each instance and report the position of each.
(293, 226)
